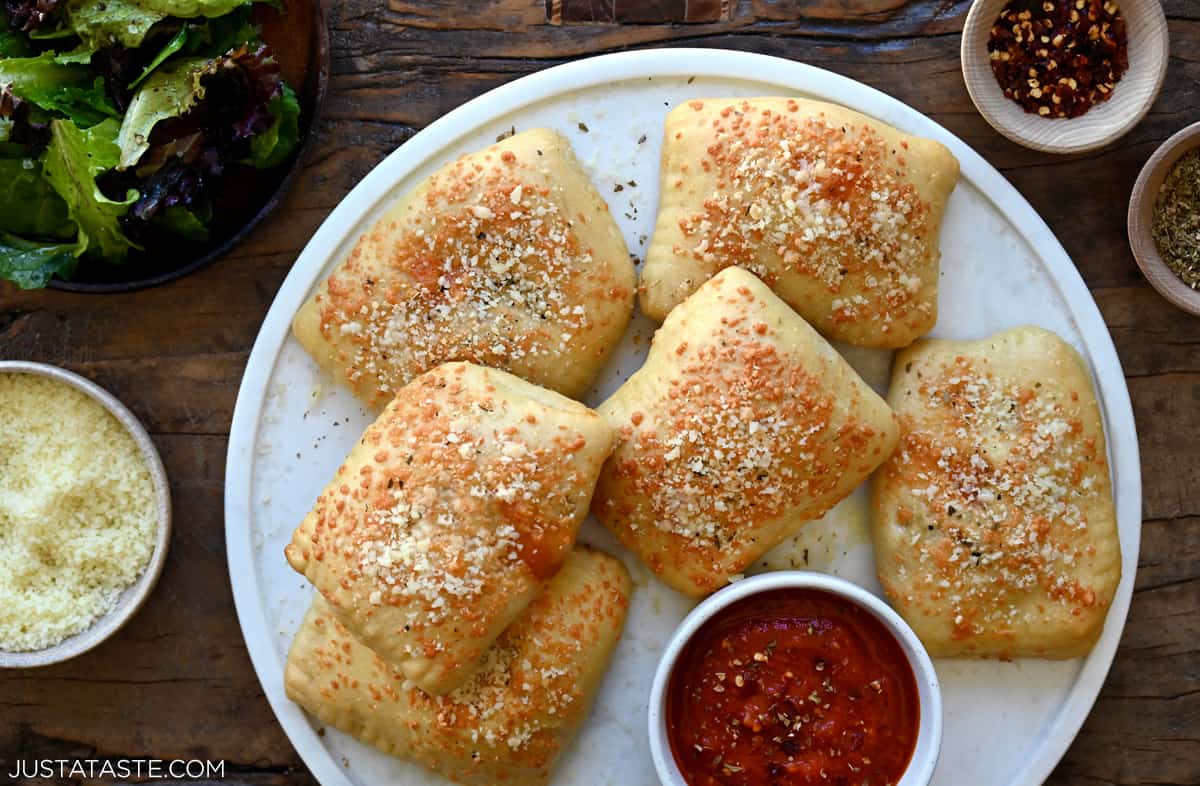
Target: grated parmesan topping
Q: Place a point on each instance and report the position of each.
(489, 270)
(495, 702)
(529, 683)
(740, 435)
(522, 703)
(508, 703)
(829, 200)
(77, 512)
(1001, 476)
(452, 512)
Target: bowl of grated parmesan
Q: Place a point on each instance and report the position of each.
(85, 514)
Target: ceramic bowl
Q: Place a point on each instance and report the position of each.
(1148, 48)
(929, 735)
(135, 595)
(1141, 215)
(299, 36)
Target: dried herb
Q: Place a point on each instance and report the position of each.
(1058, 58)
(1176, 225)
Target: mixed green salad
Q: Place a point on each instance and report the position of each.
(118, 120)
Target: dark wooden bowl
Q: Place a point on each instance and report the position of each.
(300, 38)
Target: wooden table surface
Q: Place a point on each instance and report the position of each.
(177, 682)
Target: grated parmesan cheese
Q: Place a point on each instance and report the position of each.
(833, 201)
(996, 467)
(77, 512)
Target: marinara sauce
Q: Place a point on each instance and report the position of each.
(792, 688)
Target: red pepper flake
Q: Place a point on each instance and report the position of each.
(1058, 58)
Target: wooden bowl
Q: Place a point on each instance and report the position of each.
(1148, 48)
(1141, 216)
(135, 594)
(299, 36)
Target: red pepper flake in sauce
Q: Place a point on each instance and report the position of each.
(792, 688)
(1058, 58)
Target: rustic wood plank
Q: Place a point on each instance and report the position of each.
(1143, 727)
(859, 10)
(582, 11)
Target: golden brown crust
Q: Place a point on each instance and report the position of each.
(462, 497)
(994, 526)
(511, 720)
(507, 258)
(837, 212)
(743, 424)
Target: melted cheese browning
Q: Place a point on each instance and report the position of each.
(1003, 517)
(457, 501)
(509, 721)
(731, 444)
(505, 251)
(742, 425)
(830, 199)
(834, 211)
(506, 258)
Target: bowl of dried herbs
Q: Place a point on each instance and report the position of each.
(1164, 219)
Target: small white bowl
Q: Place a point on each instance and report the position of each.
(1148, 45)
(929, 694)
(135, 595)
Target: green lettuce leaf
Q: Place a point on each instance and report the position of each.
(50, 33)
(228, 32)
(31, 265)
(12, 42)
(28, 205)
(188, 9)
(13, 45)
(169, 92)
(177, 42)
(80, 55)
(74, 159)
(274, 145)
(66, 88)
(99, 23)
(184, 222)
(208, 37)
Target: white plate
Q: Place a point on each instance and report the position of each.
(1007, 724)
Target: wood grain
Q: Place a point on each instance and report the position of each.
(178, 682)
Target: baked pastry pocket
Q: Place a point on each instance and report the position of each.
(511, 720)
(742, 425)
(507, 257)
(836, 211)
(456, 504)
(994, 526)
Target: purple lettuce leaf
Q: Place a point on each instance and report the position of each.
(27, 15)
